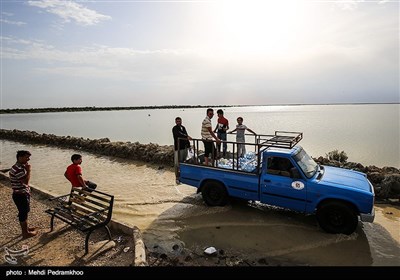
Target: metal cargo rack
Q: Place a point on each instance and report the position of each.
(281, 139)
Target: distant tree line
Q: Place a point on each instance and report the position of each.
(94, 108)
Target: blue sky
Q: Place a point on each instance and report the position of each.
(57, 53)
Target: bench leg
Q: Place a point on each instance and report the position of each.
(51, 222)
(87, 242)
(109, 233)
(88, 235)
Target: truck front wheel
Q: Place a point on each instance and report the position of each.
(214, 194)
(337, 217)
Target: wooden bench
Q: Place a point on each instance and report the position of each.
(85, 211)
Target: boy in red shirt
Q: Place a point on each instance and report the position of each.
(221, 129)
(74, 174)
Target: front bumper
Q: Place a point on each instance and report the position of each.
(368, 218)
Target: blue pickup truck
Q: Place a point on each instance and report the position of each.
(282, 174)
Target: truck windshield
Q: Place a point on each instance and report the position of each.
(306, 163)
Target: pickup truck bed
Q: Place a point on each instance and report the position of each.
(285, 176)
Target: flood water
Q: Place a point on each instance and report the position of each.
(146, 196)
(369, 134)
(286, 237)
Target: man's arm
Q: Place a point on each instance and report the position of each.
(225, 126)
(81, 180)
(213, 134)
(216, 128)
(186, 134)
(27, 177)
(175, 132)
(251, 131)
(178, 133)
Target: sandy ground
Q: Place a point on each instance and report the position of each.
(64, 247)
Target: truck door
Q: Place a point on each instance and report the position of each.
(281, 185)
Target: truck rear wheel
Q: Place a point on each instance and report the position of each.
(337, 217)
(214, 194)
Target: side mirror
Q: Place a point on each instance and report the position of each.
(294, 173)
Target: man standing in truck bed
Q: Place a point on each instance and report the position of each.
(221, 129)
(207, 135)
(182, 138)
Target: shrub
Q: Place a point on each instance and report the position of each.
(338, 156)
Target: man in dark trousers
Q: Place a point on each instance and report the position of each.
(221, 129)
(181, 145)
(20, 175)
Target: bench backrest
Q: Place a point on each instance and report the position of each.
(94, 205)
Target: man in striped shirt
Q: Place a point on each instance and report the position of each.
(207, 135)
(20, 174)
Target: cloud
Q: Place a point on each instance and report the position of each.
(70, 11)
(100, 61)
(7, 14)
(351, 5)
(323, 68)
(6, 21)
(348, 5)
(19, 23)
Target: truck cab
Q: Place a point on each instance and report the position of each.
(284, 175)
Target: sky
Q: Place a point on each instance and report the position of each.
(57, 53)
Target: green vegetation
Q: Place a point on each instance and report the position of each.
(338, 156)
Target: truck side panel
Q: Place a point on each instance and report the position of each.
(238, 184)
(282, 190)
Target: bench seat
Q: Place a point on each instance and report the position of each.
(83, 210)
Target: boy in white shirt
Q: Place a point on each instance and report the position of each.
(240, 136)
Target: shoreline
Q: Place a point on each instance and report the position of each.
(120, 108)
(94, 108)
(385, 180)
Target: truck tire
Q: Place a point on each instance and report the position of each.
(337, 217)
(214, 194)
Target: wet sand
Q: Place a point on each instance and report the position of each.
(262, 234)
